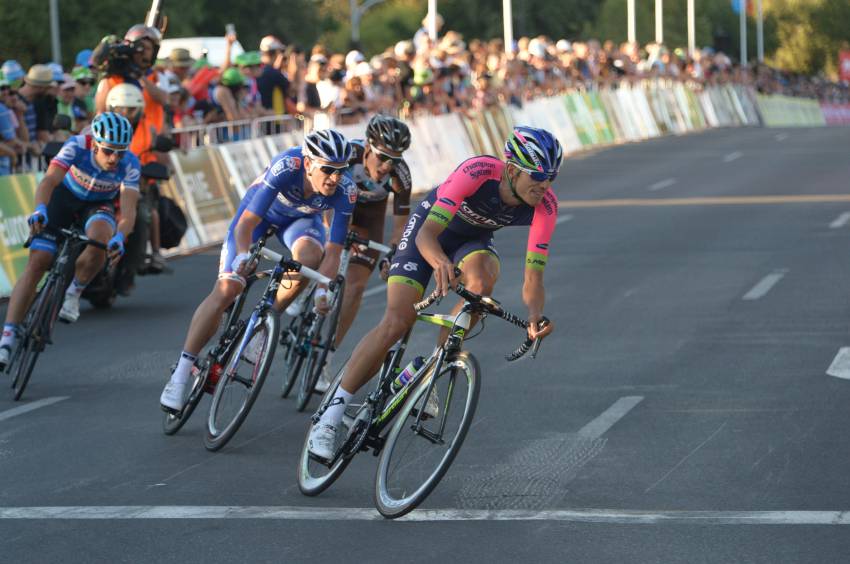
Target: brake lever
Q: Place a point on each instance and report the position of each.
(538, 341)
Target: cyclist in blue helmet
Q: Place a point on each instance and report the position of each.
(297, 187)
(80, 187)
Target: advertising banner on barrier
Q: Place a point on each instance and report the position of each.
(581, 118)
(205, 192)
(17, 194)
(836, 114)
(784, 111)
(604, 131)
(245, 160)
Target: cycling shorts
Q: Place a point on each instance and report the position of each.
(65, 210)
(289, 231)
(410, 267)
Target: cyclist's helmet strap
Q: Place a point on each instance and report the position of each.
(113, 129)
(388, 132)
(534, 150)
(328, 145)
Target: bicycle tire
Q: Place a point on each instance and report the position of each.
(319, 354)
(309, 482)
(218, 436)
(293, 358)
(37, 333)
(387, 501)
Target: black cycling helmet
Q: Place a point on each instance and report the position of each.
(142, 31)
(388, 132)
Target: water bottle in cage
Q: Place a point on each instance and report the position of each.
(406, 375)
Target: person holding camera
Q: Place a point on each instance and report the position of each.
(131, 61)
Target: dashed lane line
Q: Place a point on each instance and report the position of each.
(840, 221)
(733, 156)
(661, 184)
(27, 407)
(707, 201)
(764, 285)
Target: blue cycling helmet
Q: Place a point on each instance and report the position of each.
(112, 129)
(328, 145)
(13, 71)
(535, 151)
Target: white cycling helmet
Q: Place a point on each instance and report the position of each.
(125, 96)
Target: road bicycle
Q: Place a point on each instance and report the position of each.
(235, 368)
(415, 449)
(36, 331)
(310, 335)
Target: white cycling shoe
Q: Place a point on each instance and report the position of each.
(321, 441)
(5, 355)
(70, 311)
(174, 395)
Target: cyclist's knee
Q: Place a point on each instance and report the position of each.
(395, 324)
(480, 283)
(39, 262)
(356, 285)
(308, 252)
(225, 293)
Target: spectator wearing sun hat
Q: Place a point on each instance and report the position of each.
(14, 73)
(40, 105)
(8, 138)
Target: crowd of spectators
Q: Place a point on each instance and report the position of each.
(413, 77)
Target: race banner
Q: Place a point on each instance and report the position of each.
(844, 66)
(17, 194)
(836, 114)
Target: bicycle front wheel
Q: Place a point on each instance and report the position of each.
(37, 329)
(173, 422)
(239, 386)
(322, 343)
(416, 456)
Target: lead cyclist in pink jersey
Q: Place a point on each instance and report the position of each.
(454, 226)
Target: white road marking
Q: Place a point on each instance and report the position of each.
(27, 407)
(616, 516)
(609, 417)
(765, 284)
(563, 219)
(840, 221)
(733, 156)
(840, 367)
(660, 185)
(781, 136)
(375, 290)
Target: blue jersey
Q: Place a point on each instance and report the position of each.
(86, 180)
(277, 195)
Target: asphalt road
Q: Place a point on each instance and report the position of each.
(681, 412)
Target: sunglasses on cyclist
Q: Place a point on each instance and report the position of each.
(109, 151)
(542, 176)
(331, 170)
(384, 157)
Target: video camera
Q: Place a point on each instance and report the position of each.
(115, 57)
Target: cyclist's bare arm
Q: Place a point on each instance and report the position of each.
(330, 262)
(534, 297)
(129, 199)
(429, 247)
(52, 178)
(248, 221)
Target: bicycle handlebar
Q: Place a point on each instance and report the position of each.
(294, 265)
(368, 243)
(73, 234)
(492, 307)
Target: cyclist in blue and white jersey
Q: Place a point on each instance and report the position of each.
(81, 185)
(291, 194)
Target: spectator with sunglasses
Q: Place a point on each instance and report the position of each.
(298, 186)
(84, 91)
(454, 226)
(80, 187)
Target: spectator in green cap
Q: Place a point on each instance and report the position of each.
(84, 79)
(250, 65)
(229, 95)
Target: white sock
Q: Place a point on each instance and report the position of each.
(184, 368)
(333, 414)
(75, 289)
(10, 335)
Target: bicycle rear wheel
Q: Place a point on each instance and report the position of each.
(315, 477)
(37, 330)
(416, 457)
(322, 343)
(239, 386)
(292, 341)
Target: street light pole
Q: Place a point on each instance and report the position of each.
(357, 11)
(508, 17)
(760, 32)
(659, 21)
(432, 20)
(692, 42)
(742, 5)
(54, 31)
(630, 15)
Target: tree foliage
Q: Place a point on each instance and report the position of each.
(802, 35)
